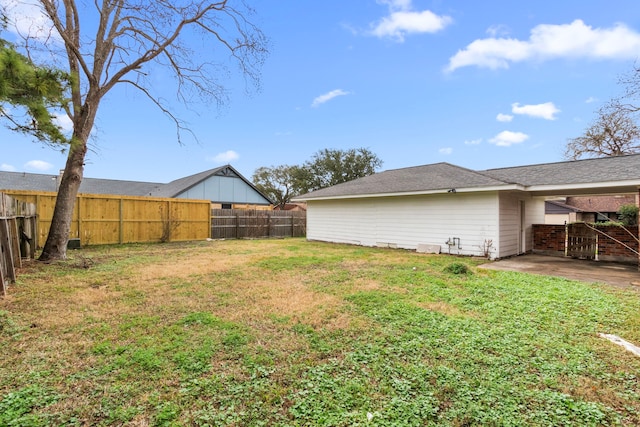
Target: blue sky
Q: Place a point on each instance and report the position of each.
(476, 84)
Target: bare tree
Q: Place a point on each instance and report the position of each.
(108, 42)
(631, 96)
(614, 132)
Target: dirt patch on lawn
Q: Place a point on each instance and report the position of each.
(231, 287)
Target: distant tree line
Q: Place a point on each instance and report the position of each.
(327, 167)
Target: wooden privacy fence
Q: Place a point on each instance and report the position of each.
(109, 219)
(18, 223)
(244, 224)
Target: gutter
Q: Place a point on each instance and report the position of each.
(511, 187)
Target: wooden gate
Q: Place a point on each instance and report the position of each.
(582, 241)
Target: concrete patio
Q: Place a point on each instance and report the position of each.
(612, 273)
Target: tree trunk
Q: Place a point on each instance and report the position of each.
(56, 246)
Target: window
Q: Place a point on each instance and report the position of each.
(226, 205)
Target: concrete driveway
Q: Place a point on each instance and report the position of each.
(612, 273)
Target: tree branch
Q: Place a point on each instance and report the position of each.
(180, 127)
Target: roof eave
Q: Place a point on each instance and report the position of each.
(509, 187)
(613, 187)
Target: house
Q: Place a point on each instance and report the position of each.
(586, 208)
(291, 207)
(558, 212)
(446, 208)
(224, 186)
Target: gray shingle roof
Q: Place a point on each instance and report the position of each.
(42, 182)
(587, 171)
(443, 176)
(180, 185)
(439, 176)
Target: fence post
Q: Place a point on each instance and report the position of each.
(169, 219)
(33, 230)
(37, 229)
(6, 248)
(237, 225)
(121, 222)
(79, 211)
(14, 240)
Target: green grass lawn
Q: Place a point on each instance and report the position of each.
(296, 333)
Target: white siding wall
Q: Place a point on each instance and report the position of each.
(510, 218)
(224, 189)
(404, 222)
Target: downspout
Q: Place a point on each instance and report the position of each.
(566, 239)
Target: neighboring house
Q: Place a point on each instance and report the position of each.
(586, 208)
(446, 208)
(292, 207)
(558, 212)
(225, 187)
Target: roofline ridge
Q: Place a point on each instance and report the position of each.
(562, 162)
(425, 165)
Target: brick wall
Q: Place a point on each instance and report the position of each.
(608, 248)
(550, 240)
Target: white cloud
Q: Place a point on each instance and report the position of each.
(473, 141)
(396, 4)
(328, 97)
(39, 165)
(27, 18)
(446, 150)
(7, 168)
(507, 138)
(575, 40)
(403, 20)
(64, 122)
(497, 30)
(590, 100)
(545, 111)
(226, 157)
(504, 117)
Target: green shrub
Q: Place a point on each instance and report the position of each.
(457, 268)
(628, 214)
